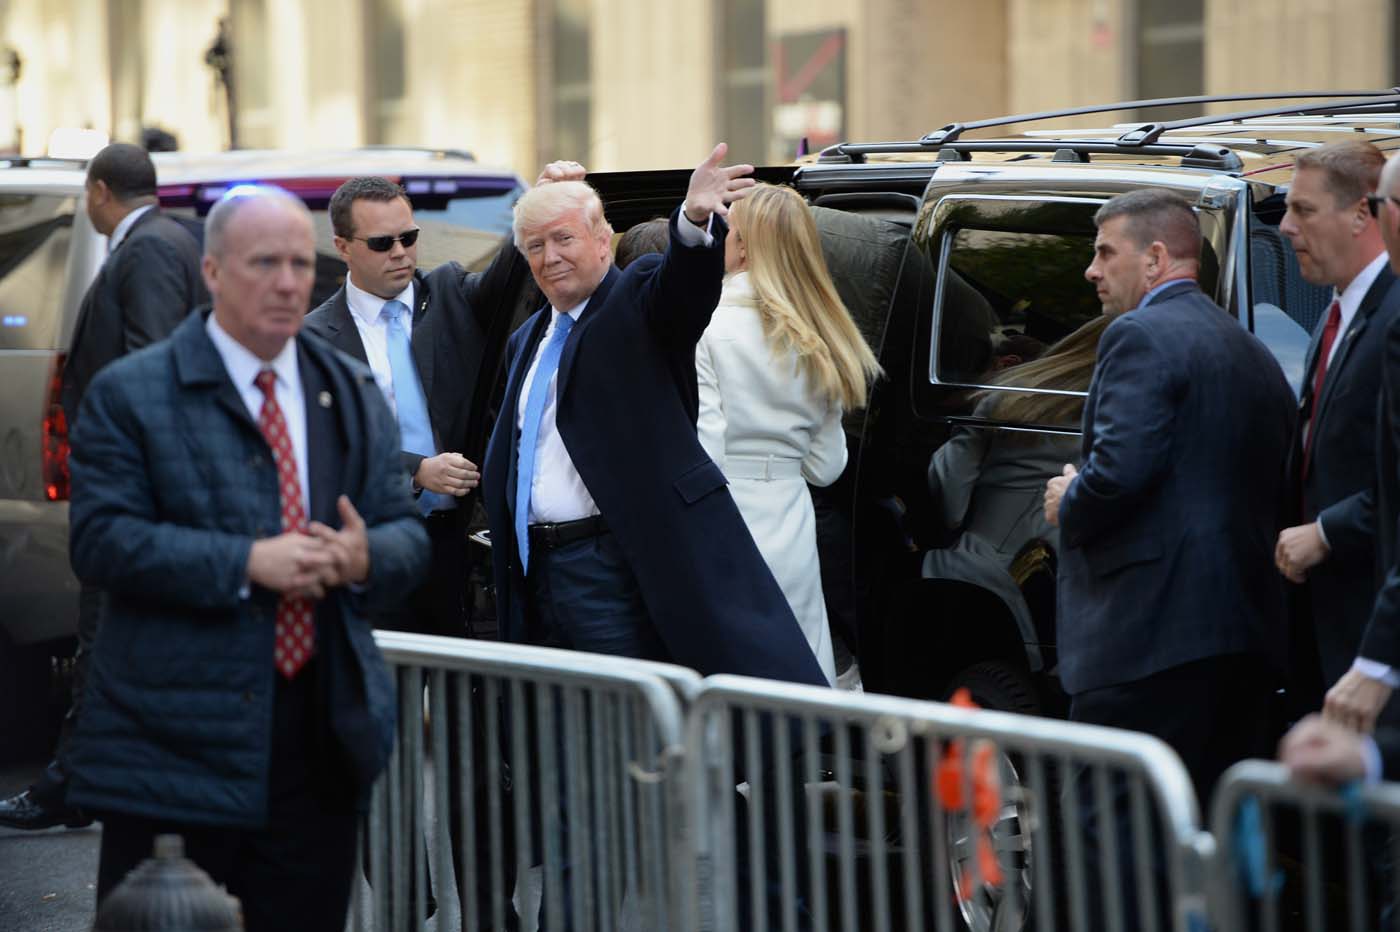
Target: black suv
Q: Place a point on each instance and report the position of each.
(961, 256)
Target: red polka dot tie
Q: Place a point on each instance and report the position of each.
(296, 632)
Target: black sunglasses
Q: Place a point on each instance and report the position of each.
(386, 243)
(1373, 201)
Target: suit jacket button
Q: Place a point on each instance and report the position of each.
(248, 697)
(255, 460)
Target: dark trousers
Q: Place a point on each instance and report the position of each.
(1212, 712)
(583, 596)
(437, 606)
(51, 786)
(292, 874)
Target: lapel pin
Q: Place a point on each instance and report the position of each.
(324, 399)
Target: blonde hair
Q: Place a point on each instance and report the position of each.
(546, 203)
(796, 298)
(1068, 365)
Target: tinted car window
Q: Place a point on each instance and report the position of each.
(35, 230)
(1286, 307)
(1006, 297)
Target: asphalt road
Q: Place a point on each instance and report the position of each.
(46, 878)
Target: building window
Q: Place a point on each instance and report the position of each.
(1170, 54)
(572, 81)
(385, 44)
(743, 79)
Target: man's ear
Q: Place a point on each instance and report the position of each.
(342, 248)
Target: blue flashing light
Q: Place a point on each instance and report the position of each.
(14, 320)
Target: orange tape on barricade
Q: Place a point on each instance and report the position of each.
(951, 780)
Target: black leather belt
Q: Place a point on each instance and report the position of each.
(554, 536)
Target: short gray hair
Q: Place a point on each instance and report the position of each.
(1156, 215)
(546, 203)
(223, 211)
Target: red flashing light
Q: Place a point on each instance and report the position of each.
(55, 438)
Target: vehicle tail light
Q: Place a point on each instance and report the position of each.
(55, 438)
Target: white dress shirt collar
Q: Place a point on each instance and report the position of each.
(243, 365)
(1351, 298)
(368, 307)
(124, 227)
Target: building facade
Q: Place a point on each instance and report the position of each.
(626, 84)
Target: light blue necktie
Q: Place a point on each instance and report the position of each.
(415, 430)
(530, 433)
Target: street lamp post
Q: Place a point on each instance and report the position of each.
(219, 56)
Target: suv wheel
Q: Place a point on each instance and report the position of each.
(996, 684)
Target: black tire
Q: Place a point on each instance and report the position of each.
(999, 685)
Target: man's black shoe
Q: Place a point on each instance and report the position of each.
(23, 811)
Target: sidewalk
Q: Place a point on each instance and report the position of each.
(46, 878)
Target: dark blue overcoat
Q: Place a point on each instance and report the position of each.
(172, 482)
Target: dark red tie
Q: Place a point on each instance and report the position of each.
(1329, 337)
(296, 633)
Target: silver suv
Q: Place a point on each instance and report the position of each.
(49, 253)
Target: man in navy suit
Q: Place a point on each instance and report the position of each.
(1332, 459)
(238, 493)
(1169, 604)
(612, 529)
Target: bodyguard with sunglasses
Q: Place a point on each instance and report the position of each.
(1327, 550)
(422, 335)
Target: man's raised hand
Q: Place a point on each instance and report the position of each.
(714, 186)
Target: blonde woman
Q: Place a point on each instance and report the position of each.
(778, 365)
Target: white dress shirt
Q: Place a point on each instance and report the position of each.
(243, 367)
(367, 312)
(557, 492)
(1350, 299)
(124, 227)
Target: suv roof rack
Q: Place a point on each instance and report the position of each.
(1192, 155)
(1149, 133)
(1141, 140)
(953, 131)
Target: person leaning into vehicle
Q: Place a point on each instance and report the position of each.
(778, 365)
(1168, 599)
(148, 284)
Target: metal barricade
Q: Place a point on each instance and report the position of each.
(553, 774)
(849, 811)
(1294, 856)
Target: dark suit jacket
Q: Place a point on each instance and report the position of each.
(173, 483)
(143, 290)
(452, 313)
(1168, 532)
(1381, 639)
(1336, 489)
(627, 406)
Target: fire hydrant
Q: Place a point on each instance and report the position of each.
(168, 893)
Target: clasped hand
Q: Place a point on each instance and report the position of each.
(447, 474)
(308, 564)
